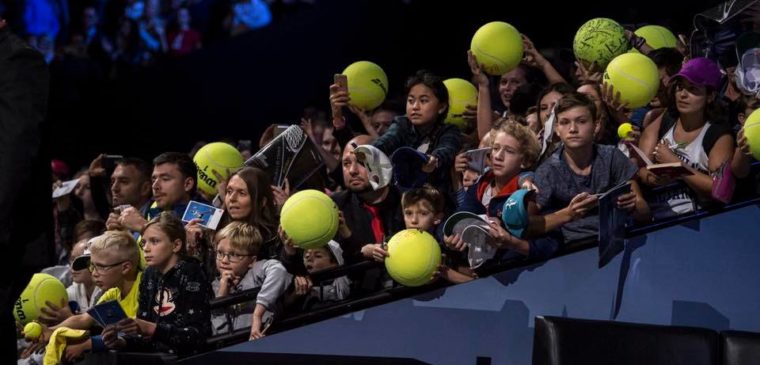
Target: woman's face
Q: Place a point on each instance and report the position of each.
(237, 200)
(82, 190)
(547, 104)
(422, 106)
(509, 83)
(690, 98)
(590, 91)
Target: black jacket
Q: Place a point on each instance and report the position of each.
(25, 178)
(359, 219)
(178, 303)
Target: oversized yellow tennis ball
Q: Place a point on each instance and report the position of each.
(41, 288)
(219, 157)
(413, 257)
(598, 41)
(309, 218)
(752, 133)
(367, 84)
(624, 129)
(635, 76)
(32, 331)
(498, 46)
(656, 36)
(461, 94)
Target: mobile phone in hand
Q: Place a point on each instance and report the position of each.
(342, 81)
(109, 162)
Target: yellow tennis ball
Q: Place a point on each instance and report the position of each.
(413, 257)
(600, 40)
(41, 288)
(624, 129)
(309, 218)
(367, 84)
(32, 331)
(656, 36)
(752, 133)
(635, 76)
(498, 46)
(217, 157)
(461, 94)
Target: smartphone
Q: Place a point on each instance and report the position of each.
(109, 161)
(342, 81)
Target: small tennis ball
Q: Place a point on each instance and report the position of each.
(367, 84)
(635, 77)
(498, 46)
(309, 218)
(624, 129)
(216, 157)
(600, 40)
(413, 257)
(461, 94)
(32, 331)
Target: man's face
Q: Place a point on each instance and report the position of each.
(169, 186)
(128, 187)
(355, 175)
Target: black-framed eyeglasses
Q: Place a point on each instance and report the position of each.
(231, 256)
(103, 268)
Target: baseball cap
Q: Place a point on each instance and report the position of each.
(407, 168)
(515, 212)
(701, 71)
(748, 70)
(458, 221)
(377, 163)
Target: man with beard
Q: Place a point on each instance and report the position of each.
(373, 215)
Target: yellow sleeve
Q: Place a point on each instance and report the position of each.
(110, 294)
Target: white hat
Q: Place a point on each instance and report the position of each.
(377, 163)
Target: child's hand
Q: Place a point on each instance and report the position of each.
(431, 164)
(343, 230)
(256, 332)
(287, 244)
(663, 154)
(477, 70)
(454, 242)
(302, 285)
(529, 185)
(374, 251)
(500, 238)
(460, 162)
(627, 201)
(53, 314)
(193, 232)
(581, 204)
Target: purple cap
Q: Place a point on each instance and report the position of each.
(701, 71)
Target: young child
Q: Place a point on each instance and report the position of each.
(237, 248)
(572, 176)
(324, 293)
(173, 313)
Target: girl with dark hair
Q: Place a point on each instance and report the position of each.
(689, 133)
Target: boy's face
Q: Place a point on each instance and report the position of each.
(108, 269)
(232, 259)
(576, 127)
(506, 155)
(317, 259)
(420, 215)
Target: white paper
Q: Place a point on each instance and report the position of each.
(66, 188)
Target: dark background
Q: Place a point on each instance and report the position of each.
(236, 87)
